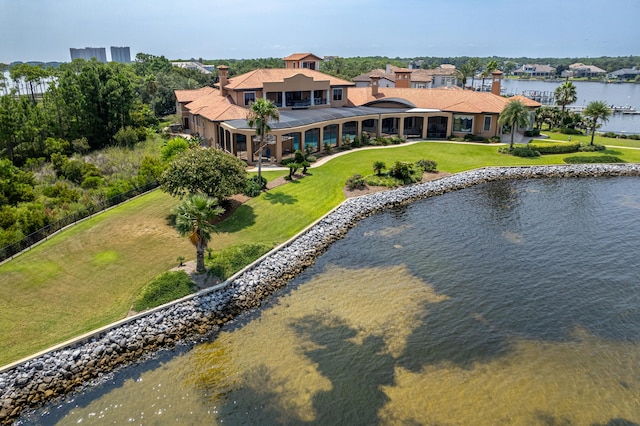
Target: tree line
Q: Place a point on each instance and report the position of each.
(67, 136)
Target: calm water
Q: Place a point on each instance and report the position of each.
(505, 303)
(622, 94)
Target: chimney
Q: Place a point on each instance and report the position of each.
(375, 83)
(223, 76)
(200, 60)
(403, 78)
(496, 79)
(388, 69)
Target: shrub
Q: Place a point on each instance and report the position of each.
(570, 131)
(127, 137)
(254, 186)
(593, 159)
(92, 182)
(533, 132)
(151, 168)
(74, 171)
(311, 158)
(356, 142)
(163, 289)
(172, 147)
(520, 151)
(555, 148)
(298, 156)
(118, 187)
(356, 182)
(402, 171)
(365, 138)
(494, 139)
(328, 149)
(585, 147)
(224, 263)
(473, 138)
(427, 165)
(293, 168)
(610, 135)
(382, 180)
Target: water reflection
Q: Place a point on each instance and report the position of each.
(445, 312)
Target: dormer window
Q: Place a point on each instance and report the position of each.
(249, 98)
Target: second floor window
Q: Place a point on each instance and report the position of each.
(337, 94)
(249, 98)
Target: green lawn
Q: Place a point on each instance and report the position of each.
(598, 139)
(88, 276)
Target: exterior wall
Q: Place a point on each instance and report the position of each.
(182, 113)
(477, 128)
(277, 150)
(383, 82)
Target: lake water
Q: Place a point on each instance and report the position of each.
(505, 303)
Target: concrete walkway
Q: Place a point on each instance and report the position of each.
(325, 158)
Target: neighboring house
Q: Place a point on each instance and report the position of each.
(535, 70)
(193, 65)
(624, 74)
(443, 76)
(317, 109)
(580, 70)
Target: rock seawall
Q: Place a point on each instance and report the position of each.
(60, 371)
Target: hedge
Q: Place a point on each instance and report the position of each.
(555, 148)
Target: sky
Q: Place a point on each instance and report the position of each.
(44, 30)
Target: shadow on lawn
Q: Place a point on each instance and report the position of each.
(280, 198)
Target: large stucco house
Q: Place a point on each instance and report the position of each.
(318, 109)
(442, 76)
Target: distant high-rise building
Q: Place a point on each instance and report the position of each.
(120, 54)
(100, 53)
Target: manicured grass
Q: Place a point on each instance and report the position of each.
(598, 139)
(88, 276)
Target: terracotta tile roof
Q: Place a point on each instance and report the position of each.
(184, 96)
(255, 79)
(444, 99)
(417, 75)
(215, 107)
(301, 56)
(377, 72)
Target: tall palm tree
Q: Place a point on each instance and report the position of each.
(596, 110)
(475, 64)
(261, 112)
(565, 94)
(193, 219)
(515, 114)
(466, 70)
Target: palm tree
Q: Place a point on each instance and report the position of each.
(378, 167)
(261, 112)
(466, 70)
(486, 73)
(515, 114)
(565, 94)
(596, 110)
(474, 64)
(193, 219)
